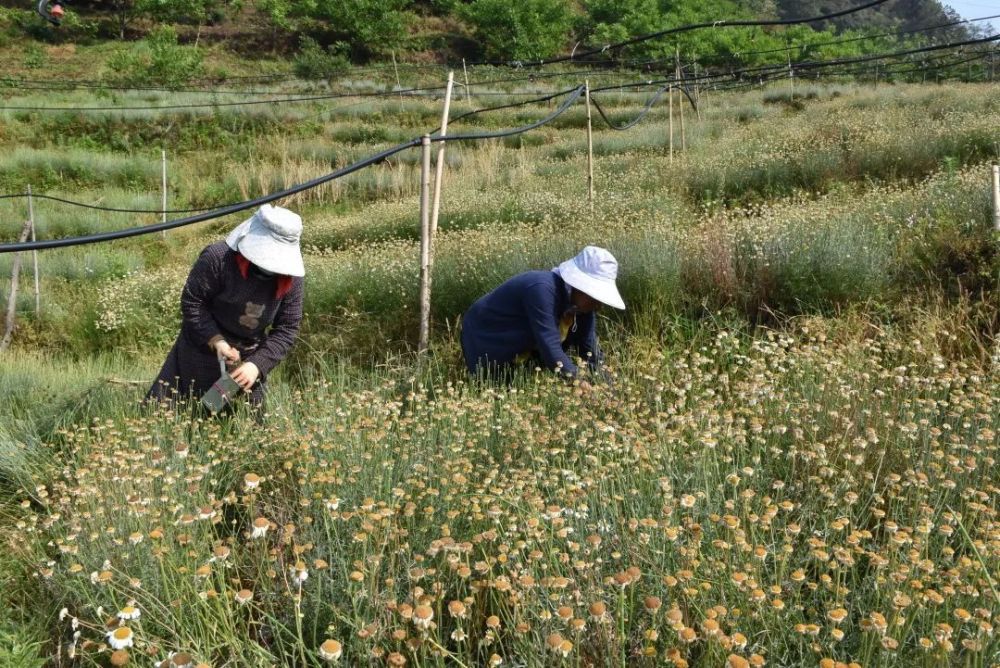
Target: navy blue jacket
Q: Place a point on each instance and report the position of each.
(523, 314)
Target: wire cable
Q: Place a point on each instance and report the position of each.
(642, 114)
(242, 206)
(687, 28)
(759, 72)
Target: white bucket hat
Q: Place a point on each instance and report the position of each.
(270, 239)
(593, 271)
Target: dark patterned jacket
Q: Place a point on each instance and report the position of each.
(246, 309)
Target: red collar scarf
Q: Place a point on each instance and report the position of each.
(284, 282)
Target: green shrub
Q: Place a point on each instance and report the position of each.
(315, 62)
(157, 60)
(529, 29)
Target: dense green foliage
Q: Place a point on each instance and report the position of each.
(512, 31)
(156, 60)
(529, 29)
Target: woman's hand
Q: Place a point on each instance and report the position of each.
(231, 355)
(246, 375)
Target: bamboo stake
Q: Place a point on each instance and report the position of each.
(163, 162)
(679, 76)
(439, 177)
(425, 296)
(34, 253)
(791, 77)
(996, 197)
(12, 300)
(697, 92)
(590, 149)
(466, 71)
(670, 106)
(396, 70)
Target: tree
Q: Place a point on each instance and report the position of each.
(520, 29)
(615, 20)
(179, 11)
(369, 26)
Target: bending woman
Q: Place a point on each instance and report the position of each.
(242, 303)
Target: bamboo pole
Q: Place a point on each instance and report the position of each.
(163, 199)
(791, 78)
(466, 72)
(679, 76)
(670, 107)
(996, 197)
(12, 300)
(396, 70)
(440, 162)
(697, 92)
(425, 295)
(34, 253)
(590, 149)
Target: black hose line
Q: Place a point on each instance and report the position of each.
(271, 197)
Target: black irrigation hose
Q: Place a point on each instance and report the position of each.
(408, 92)
(208, 215)
(522, 103)
(671, 61)
(242, 206)
(576, 93)
(310, 98)
(211, 208)
(686, 28)
(868, 37)
(759, 72)
(97, 207)
(649, 105)
(572, 56)
(69, 84)
(923, 67)
(807, 65)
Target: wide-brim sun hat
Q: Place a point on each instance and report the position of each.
(593, 272)
(270, 239)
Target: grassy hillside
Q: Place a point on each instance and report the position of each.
(795, 465)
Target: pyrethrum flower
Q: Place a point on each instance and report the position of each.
(129, 612)
(121, 638)
(243, 596)
(837, 615)
(260, 527)
(331, 650)
(598, 611)
(180, 660)
(251, 481)
(299, 572)
(422, 616)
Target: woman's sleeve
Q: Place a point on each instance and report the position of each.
(588, 346)
(539, 307)
(284, 331)
(203, 283)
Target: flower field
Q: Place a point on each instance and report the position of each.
(793, 499)
(796, 463)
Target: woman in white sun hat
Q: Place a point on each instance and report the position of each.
(539, 316)
(242, 303)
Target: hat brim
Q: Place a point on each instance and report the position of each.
(254, 242)
(605, 292)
